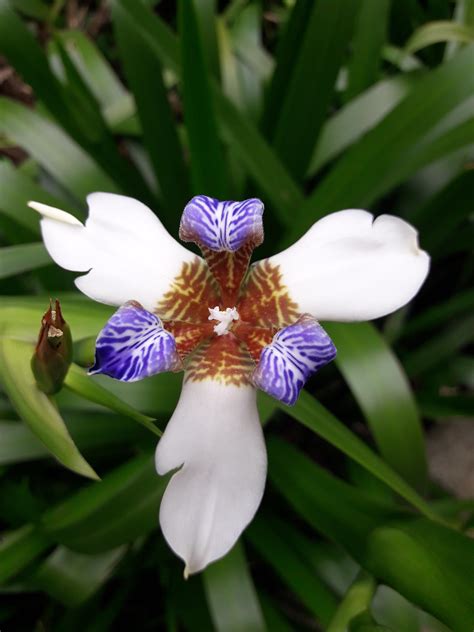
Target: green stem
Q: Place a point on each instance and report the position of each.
(356, 600)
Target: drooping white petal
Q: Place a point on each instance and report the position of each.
(348, 267)
(123, 245)
(215, 435)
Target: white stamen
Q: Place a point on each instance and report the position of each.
(225, 319)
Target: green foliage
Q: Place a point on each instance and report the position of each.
(314, 107)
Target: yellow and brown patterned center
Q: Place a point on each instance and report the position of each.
(261, 299)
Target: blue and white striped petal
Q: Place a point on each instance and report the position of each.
(296, 352)
(134, 345)
(222, 225)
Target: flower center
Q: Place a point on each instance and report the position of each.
(225, 319)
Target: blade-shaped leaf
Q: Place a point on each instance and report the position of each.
(90, 431)
(94, 520)
(144, 73)
(80, 383)
(71, 578)
(310, 88)
(35, 408)
(382, 391)
(19, 548)
(275, 547)
(369, 37)
(231, 595)
(18, 259)
(313, 415)
(367, 170)
(417, 557)
(208, 167)
(441, 31)
(53, 149)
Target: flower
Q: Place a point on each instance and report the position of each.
(230, 327)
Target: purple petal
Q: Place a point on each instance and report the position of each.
(134, 345)
(289, 360)
(222, 225)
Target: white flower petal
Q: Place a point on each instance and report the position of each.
(123, 244)
(348, 267)
(215, 435)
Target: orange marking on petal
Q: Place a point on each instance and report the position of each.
(229, 269)
(192, 292)
(224, 359)
(265, 300)
(255, 338)
(188, 336)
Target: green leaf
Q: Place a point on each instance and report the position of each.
(89, 431)
(19, 548)
(23, 52)
(64, 160)
(35, 408)
(18, 259)
(144, 74)
(243, 138)
(359, 116)
(370, 35)
(17, 189)
(208, 170)
(94, 520)
(446, 407)
(314, 416)
(441, 31)
(381, 389)
(439, 314)
(430, 564)
(71, 578)
(288, 49)
(206, 11)
(431, 218)
(439, 348)
(96, 72)
(305, 104)
(367, 170)
(80, 383)
(36, 9)
(274, 543)
(231, 595)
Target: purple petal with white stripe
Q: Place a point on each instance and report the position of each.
(134, 345)
(289, 360)
(222, 225)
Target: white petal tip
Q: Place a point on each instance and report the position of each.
(186, 572)
(54, 213)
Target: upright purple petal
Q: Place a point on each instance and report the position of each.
(222, 225)
(134, 345)
(289, 360)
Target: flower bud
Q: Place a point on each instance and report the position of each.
(53, 353)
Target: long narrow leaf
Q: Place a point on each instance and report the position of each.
(144, 73)
(231, 595)
(208, 167)
(369, 37)
(35, 408)
(367, 170)
(312, 81)
(18, 259)
(383, 392)
(312, 414)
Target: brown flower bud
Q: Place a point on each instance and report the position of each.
(53, 353)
